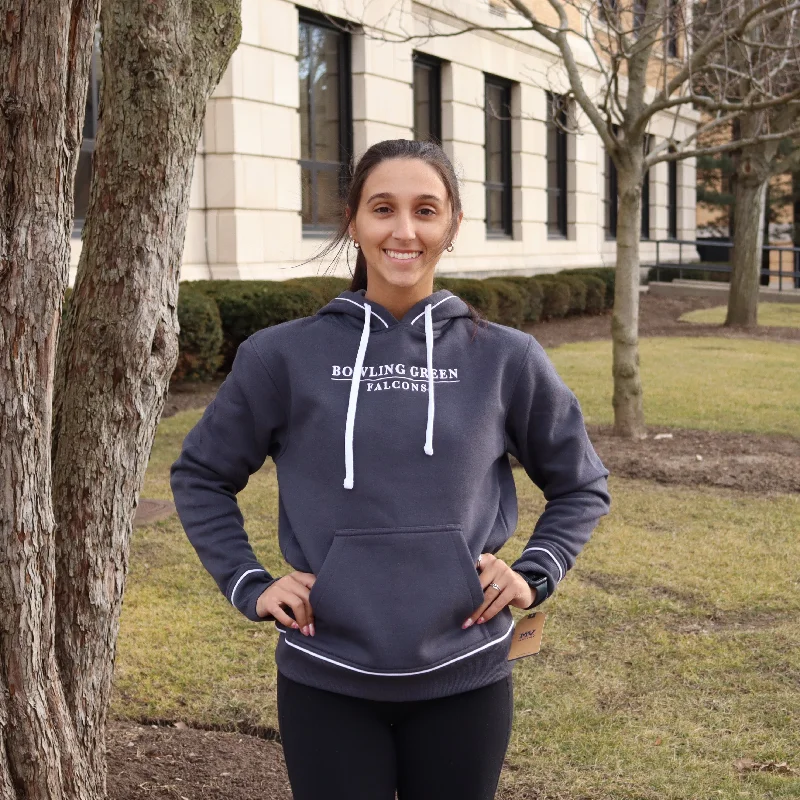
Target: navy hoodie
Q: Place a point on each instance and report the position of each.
(391, 441)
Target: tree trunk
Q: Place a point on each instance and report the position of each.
(45, 58)
(751, 191)
(628, 407)
(119, 344)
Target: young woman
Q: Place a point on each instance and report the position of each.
(390, 414)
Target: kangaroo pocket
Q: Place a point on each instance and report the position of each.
(393, 599)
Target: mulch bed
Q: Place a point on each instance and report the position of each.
(165, 761)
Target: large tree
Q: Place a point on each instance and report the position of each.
(647, 61)
(80, 407)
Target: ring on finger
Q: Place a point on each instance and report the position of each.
(495, 586)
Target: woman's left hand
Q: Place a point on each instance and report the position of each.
(514, 589)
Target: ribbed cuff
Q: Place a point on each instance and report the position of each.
(247, 592)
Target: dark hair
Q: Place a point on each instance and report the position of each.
(427, 151)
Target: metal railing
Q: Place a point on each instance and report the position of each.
(789, 272)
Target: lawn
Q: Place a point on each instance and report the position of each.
(670, 651)
(781, 315)
(740, 385)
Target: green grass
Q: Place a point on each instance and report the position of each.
(781, 315)
(743, 385)
(671, 650)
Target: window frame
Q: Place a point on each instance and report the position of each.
(345, 144)
(611, 209)
(672, 198)
(671, 29)
(558, 228)
(88, 144)
(433, 67)
(645, 232)
(505, 185)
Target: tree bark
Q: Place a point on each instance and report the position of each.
(628, 400)
(119, 343)
(752, 180)
(45, 58)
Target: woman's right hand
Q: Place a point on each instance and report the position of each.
(291, 590)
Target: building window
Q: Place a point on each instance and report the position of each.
(672, 198)
(611, 198)
(325, 121)
(556, 166)
(645, 233)
(498, 156)
(639, 15)
(607, 10)
(427, 98)
(83, 173)
(671, 28)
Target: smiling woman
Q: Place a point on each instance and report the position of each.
(396, 619)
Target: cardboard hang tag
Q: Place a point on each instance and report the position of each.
(527, 636)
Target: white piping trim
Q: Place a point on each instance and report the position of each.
(396, 674)
(560, 571)
(401, 378)
(452, 297)
(241, 578)
(348, 300)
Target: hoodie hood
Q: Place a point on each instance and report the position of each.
(444, 306)
(427, 317)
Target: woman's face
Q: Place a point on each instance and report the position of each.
(402, 218)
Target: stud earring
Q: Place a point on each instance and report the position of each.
(450, 248)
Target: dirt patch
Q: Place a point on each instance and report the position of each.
(152, 761)
(747, 462)
(184, 395)
(658, 316)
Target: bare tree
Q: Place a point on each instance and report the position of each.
(765, 63)
(647, 65)
(79, 414)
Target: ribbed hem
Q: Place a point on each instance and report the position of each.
(483, 668)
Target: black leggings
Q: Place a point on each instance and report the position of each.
(339, 747)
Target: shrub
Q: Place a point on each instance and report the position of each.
(511, 302)
(577, 291)
(248, 306)
(606, 274)
(482, 297)
(595, 293)
(326, 287)
(200, 337)
(555, 297)
(533, 295)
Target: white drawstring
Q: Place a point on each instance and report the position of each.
(431, 407)
(351, 407)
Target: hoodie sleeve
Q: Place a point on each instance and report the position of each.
(242, 425)
(545, 431)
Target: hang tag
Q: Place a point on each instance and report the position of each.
(527, 637)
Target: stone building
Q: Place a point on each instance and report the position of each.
(306, 88)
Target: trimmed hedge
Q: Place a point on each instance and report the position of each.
(481, 296)
(200, 337)
(247, 306)
(326, 287)
(606, 274)
(556, 297)
(511, 301)
(577, 291)
(534, 296)
(215, 317)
